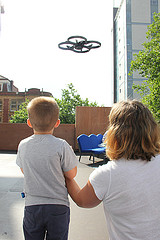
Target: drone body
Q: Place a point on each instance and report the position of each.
(79, 44)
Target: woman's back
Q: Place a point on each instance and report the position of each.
(131, 195)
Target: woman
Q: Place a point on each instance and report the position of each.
(129, 185)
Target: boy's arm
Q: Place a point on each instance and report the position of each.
(84, 197)
(70, 174)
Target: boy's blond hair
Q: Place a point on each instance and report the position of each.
(133, 133)
(43, 113)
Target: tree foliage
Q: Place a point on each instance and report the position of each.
(68, 102)
(21, 115)
(147, 62)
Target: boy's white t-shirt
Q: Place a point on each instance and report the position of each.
(43, 159)
(130, 190)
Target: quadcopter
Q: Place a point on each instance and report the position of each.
(79, 44)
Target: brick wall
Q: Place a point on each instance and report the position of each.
(5, 110)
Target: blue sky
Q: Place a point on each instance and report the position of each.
(29, 53)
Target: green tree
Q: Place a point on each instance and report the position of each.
(21, 115)
(68, 102)
(147, 62)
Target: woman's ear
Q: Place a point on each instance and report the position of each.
(57, 123)
(29, 123)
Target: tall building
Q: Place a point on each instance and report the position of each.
(131, 18)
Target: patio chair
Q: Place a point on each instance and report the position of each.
(90, 145)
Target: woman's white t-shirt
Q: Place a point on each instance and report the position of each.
(130, 191)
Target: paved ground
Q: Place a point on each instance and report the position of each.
(86, 224)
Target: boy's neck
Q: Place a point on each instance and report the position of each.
(43, 133)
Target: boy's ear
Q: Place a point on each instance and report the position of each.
(29, 123)
(57, 123)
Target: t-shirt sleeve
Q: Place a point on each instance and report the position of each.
(100, 181)
(68, 158)
(18, 158)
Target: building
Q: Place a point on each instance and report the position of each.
(11, 98)
(131, 18)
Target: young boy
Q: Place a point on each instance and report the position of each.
(45, 161)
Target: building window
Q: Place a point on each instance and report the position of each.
(129, 34)
(0, 120)
(154, 2)
(14, 106)
(154, 8)
(128, 11)
(129, 55)
(19, 102)
(0, 87)
(0, 105)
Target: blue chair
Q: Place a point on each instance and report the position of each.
(90, 145)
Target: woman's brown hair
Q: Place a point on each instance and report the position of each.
(133, 133)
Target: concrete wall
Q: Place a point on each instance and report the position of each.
(88, 120)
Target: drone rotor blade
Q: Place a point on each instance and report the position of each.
(88, 46)
(77, 38)
(66, 45)
(82, 50)
(95, 44)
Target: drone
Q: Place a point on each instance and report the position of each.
(79, 44)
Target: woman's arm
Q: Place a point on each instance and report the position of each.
(84, 197)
